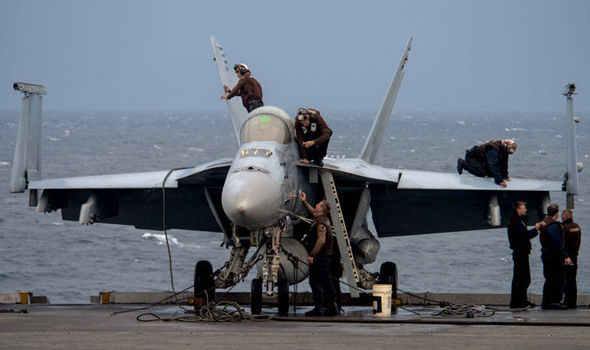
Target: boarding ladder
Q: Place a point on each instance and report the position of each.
(350, 270)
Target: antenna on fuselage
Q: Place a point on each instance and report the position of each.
(369, 152)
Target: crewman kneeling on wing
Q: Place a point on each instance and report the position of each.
(489, 159)
(313, 136)
(247, 87)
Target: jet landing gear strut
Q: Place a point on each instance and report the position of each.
(277, 255)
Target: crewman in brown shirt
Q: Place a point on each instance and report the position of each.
(572, 239)
(247, 87)
(313, 136)
(320, 260)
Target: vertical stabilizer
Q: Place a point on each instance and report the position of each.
(228, 77)
(375, 137)
(26, 164)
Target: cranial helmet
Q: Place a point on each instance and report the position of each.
(510, 145)
(303, 114)
(241, 67)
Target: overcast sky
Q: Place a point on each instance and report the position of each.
(333, 55)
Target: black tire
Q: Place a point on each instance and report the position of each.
(388, 275)
(283, 302)
(204, 281)
(256, 296)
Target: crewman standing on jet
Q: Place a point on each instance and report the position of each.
(247, 87)
(313, 136)
(489, 159)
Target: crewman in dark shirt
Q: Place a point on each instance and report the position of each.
(554, 257)
(520, 243)
(247, 87)
(573, 237)
(489, 159)
(320, 260)
(313, 136)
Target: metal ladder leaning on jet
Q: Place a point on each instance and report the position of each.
(252, 199)
(350, 268)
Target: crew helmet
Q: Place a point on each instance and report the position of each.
(241, 67)
(510, 145)
(303, 114)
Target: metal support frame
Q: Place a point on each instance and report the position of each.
(572, 166)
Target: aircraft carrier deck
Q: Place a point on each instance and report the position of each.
(100, 326)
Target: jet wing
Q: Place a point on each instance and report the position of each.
(431, 180)
(407, 202)
(192, 198)
(356, 171)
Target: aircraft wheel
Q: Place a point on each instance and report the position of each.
(256, 296)
(283, 287)
(204, 281)
(388, 275)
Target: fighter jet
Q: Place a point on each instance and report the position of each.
(253, 199)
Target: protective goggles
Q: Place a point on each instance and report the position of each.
(302, 114)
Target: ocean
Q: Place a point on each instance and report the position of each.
(69, 262)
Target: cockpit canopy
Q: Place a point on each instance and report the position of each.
(265, 127)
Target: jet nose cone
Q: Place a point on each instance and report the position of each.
(250, 199)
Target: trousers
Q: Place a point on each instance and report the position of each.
(474, 163)
(554, 279)
(317, 152)
(571, 286)
(320, 281)
(521, 279)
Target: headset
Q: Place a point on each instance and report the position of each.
(241, 67)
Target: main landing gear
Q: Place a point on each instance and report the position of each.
(388, 275)
(204, 282)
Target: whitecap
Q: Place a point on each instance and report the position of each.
(460, 122)
(542, 151)
(412, 150)
(453, 140)
(161, 238)
(53, 138)
(7, 163)
(157, 147)
(195, 149)
(559, 136)
(67, 132)
(57, 223)
(392, 137)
